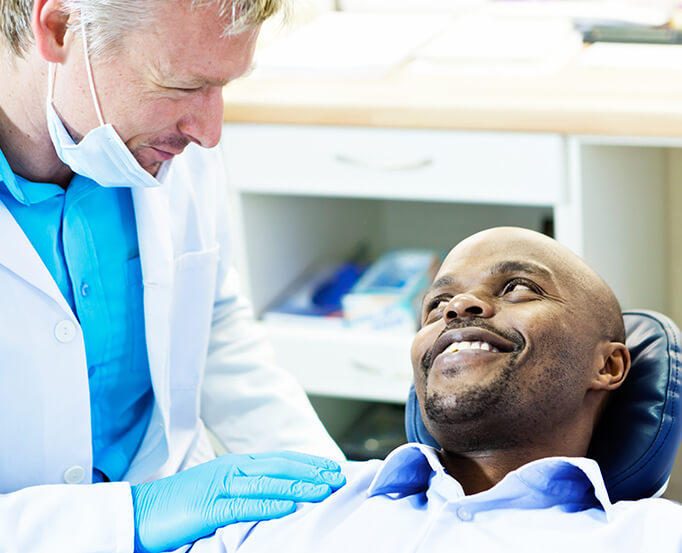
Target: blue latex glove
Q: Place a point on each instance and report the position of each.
(182, 508)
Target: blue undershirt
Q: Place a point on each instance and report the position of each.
(86, 237)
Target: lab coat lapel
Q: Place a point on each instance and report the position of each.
(152, 213)
(19, 256)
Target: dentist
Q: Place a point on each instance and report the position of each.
(122, 331)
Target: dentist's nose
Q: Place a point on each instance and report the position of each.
(204, 122)
(468, 306)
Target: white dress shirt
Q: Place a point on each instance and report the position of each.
(409, 503)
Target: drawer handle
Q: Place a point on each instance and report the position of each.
(384, 166)
(375, 371)
(364, 367)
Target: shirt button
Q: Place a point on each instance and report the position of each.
(74, 475)
(65, 331)
(464, 515)
(85, 290)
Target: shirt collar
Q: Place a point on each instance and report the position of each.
(29, 192)
(25, 191)
(9, 178)
(407, 469)
(575, 481)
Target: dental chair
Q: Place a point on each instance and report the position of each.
(640, 430)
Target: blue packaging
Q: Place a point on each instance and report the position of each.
(388, 295)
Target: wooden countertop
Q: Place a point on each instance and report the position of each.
(578, 100)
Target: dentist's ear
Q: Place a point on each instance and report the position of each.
(49, 23)
(613, 366)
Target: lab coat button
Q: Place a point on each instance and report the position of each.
(65, 331)
(74, 475)
(464, 515)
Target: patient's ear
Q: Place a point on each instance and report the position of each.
(613, 364)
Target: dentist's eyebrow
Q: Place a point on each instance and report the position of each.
(199, 81)
(206, 80)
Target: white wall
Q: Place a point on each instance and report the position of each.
(674, 255)
(675, 235)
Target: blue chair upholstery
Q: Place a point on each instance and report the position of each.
(640, 431)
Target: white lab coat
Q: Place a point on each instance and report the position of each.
(206, 355)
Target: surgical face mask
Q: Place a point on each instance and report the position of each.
(101, 155)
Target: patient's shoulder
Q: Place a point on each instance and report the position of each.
(652, 510)
(359, 476)
(359, 472)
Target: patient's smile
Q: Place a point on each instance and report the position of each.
(470, 341)
(477, 345)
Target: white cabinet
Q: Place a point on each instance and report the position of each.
(425, 165)
(304, 194)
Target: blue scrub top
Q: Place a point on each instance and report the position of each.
(87, 238)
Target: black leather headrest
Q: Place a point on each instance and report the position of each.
(637, 438)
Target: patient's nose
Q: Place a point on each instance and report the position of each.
(468, 306)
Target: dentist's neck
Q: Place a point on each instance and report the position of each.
(24, 138)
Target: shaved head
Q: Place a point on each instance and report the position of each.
(521, 341)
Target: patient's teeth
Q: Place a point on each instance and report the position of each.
(477, 344)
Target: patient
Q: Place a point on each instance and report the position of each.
(520, 345)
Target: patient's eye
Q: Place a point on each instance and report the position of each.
(518, 288)
(434, 308)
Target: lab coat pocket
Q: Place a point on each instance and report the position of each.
(191, 314)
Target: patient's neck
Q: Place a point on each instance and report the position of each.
(481, 470)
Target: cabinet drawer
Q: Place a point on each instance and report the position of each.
(345, 362)
(410, 164)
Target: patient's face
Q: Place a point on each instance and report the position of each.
(506, 342)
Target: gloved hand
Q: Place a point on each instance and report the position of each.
(182, 508)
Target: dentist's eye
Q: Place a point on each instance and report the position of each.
(177, 89)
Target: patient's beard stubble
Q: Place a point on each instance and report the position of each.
(459, 422)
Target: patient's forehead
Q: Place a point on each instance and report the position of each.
(569, 278)
(489, 248)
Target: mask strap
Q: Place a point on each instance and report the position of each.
(88, 67)
(51, 70)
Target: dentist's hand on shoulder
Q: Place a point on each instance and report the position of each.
(182, 508)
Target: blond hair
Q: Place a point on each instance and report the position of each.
(106, 21)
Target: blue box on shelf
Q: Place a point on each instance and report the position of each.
(389, 293)
(316, 296)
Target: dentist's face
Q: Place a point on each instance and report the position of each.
(162, 89)
(505, 345)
